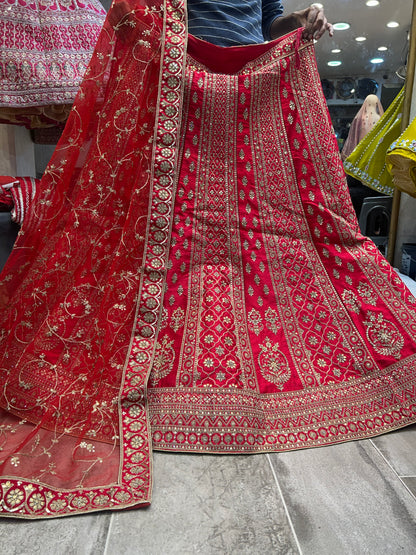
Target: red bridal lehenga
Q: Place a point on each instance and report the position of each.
(45, 47)
(191, 276)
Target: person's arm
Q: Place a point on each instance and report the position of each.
(312, 19)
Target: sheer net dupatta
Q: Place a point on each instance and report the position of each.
(73, 434)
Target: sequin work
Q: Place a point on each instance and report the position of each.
(46, 46)
(191, 276)
(293, 322)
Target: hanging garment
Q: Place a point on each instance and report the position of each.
(6, 199)
(401, 160)
(46, 47)
(192, 276)
(17, 194)
(367, 162)
(364, 121)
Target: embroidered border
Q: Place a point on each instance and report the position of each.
(230, 421)
(136, 433)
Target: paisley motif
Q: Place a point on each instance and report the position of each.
(273, 364)
(383, 335)
(163, 360)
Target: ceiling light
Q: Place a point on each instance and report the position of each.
(371, 3)
(392, 24)
(382, 48)
(377, 61)
(334, 63)
(341, 26)
(360, 39)
(336, 51)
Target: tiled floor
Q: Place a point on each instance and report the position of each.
(356, 498)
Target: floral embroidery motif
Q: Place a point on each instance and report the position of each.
(272, 320)
(273, 364)
(351, 301)
(254, 321)
(163, 360)
(383, 335)
(178, 319)
(37, 502)
(367, 292)
(15, 497)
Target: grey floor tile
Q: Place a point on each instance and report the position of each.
(206, 504)
(411, 484)
(77, 535)
(399, 449)
(346, 499)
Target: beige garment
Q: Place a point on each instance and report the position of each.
(364, 121)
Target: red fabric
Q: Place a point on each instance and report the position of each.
(224, 60)
(191, 275)
(282, 326)
(68, 293)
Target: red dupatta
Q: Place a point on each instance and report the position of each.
(81, 291)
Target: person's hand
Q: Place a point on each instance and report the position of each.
(312, 19)
(314, 22)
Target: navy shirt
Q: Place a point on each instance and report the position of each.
(232, 22)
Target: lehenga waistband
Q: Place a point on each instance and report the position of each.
(237, 59)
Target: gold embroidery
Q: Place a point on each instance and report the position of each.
(383, 335)
(367, 292)
(273, 364)
(163, 360)
(178, 319)
(351, 301)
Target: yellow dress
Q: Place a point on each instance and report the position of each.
(401, 160)
(367, 162)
